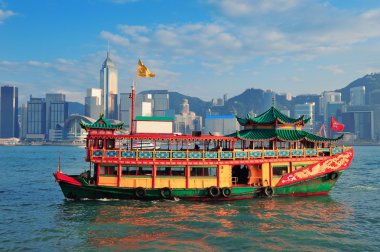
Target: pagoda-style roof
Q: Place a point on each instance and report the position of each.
(271, 116)
(285, 135)
(101, 123)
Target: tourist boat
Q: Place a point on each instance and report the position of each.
(271, 156)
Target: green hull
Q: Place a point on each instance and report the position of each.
(315, 186)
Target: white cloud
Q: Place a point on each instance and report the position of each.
(5, 14)
(335, 69)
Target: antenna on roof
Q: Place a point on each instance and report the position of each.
(273, 100)
(108, 48)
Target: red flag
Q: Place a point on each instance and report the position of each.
(335, 125)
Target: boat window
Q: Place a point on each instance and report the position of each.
(280, 170)
(296, 167)
(136, 170)
(202, 171)
(110, 143)
(108, 170)
(100, 143)
(170, 171)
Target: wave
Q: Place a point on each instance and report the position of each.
(365, 188)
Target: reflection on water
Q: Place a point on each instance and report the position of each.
(165, 225)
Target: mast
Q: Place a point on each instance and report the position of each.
(132, 96)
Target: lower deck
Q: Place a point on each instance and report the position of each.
(186, 176)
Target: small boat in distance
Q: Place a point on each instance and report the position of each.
(271, 156)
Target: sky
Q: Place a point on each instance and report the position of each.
(202, 48)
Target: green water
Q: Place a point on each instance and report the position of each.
(35, 216)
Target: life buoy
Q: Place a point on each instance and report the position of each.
(333, 175)
(166, 193)
(268, 191)
(226, 192)
(214, 191)
(140, 192)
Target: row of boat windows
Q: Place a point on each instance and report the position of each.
(160, 171)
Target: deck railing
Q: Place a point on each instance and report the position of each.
(212, 155)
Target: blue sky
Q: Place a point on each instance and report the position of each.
(203, 48)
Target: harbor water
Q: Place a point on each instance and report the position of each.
(34, 216)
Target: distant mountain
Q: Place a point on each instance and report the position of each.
(370, 81)
(255, 101)
(76, 108)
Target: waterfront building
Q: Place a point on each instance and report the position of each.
(36, 119)
(268, 97)
(160, 102)
(56, 111)
(92, 102)
(24, 121)
(357, 96)
(221, 124)
(308, 111)
(108, 85)
(144, 105)
(9, 126)
(186, 122)
(360, 121)
(374, 97)
(325, 98)
(124, 107)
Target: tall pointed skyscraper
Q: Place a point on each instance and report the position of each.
(108, 84)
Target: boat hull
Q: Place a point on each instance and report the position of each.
(316, 186)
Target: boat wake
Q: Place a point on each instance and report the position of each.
(365, 188)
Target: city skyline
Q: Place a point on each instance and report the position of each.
(198, 48)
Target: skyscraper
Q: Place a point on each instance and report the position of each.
(308, 111)
(108, 84)
(92, 103)
(160, 102)
(56, 110)
(125, 104)
(357, 96)
(36, 119)
(9, 112)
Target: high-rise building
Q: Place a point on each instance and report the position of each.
(9, 112)
(108, 84)
(144, 105)
(308, 111)
(325, 98)
(56, 110)
(185, 107)
(92, 101)
(24, 120)
(160, 102)
(187, 122)
(124, 107)
(357, 96)
(221, 124)
(36, 119)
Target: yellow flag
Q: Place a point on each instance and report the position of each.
(143, 71)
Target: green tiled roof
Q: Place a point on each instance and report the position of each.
(101, 123)
(270, 116)
(281, 134)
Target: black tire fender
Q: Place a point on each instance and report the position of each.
(166, 193)
(268, 191)
(226, 192)
(140, 192)
(214, 191)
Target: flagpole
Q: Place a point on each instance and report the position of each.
(132, 107)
